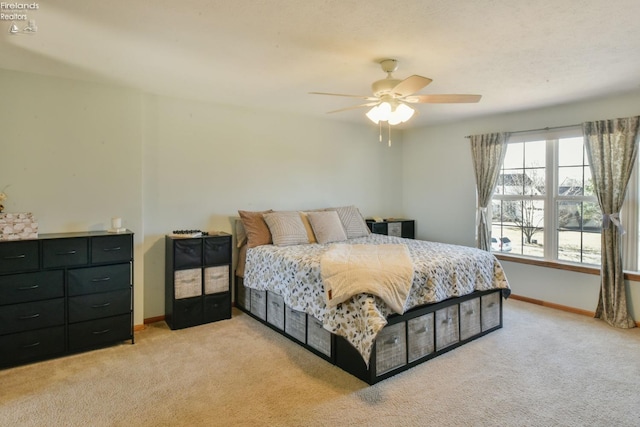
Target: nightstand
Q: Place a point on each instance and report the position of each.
(394, 227)
(197, 280)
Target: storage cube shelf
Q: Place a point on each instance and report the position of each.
(197, 280)
(64, 293)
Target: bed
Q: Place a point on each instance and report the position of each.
(451, 295)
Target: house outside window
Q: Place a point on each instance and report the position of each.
(544, 205)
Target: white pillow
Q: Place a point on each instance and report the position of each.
(327, 226)
(286, 228)
(352, 221)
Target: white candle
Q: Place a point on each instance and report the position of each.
(116, 223)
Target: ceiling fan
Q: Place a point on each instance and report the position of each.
(391, 97)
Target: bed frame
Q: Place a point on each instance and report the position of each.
(418, 335)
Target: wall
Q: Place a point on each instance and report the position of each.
(204, 162)
(439, 191)
(71, 155)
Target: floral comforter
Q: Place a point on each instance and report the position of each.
(442, 271)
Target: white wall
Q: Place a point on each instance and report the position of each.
(71, 154)
(203, 162)
(439, 191)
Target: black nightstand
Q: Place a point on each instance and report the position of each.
(394, 227)
(197, 280)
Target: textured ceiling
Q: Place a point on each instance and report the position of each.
(269, 54)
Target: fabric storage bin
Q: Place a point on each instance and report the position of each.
(295, 323)
(318, 337)
(391, 348)
(216, 279)
(275, 310)
(420, 336)
(259, 304)
(188, 283)
(490, 311)
(469, 318)
(447, 332)
(243, 295)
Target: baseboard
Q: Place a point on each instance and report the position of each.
(557, 306)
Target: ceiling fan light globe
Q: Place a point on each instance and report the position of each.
(404, 112)
(373, 115)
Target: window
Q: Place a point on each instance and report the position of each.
(544, 203)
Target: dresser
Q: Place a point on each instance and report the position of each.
(394, 227)
(197, 280)
(63, 293)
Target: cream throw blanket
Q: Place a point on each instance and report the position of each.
(382, 270)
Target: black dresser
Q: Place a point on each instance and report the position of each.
(197, 280)
(63, 293)
(394, 227)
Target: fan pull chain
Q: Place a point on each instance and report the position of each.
(380, 130)
(389, 126)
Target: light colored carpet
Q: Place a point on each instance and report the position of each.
(544, 368)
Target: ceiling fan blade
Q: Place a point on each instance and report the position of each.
(411, 85)
(369, 104)
(368, 98)
(442, 99)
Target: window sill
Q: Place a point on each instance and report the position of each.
(628, 275)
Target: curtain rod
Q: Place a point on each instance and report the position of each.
(539, 129)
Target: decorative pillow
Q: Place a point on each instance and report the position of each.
(241, 234)
(257, 230)
(352, 221)
(286, 228)
(327, 226)
(307, 226)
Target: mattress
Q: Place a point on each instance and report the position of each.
(441, 271)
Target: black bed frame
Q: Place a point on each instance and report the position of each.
(447, 325)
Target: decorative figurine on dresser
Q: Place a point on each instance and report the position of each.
(63, 293)
(197, 278)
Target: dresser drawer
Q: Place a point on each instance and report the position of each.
(490, 310)
(65, 252)
(32, 345)
(99, 279)
(26, 287)
(117, 248)
(187, 253)
(217, 307)
(217, 250)
(447, 327)
(421, 337)
(275, 310)
(318, 337)
(95, 306)
(19, 256)
(391, 348)
(216, 279)
(469, 318)
(99, 332)
(31, 315)
(186, 313)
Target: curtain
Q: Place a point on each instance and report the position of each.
(612, 147)
(488, 154)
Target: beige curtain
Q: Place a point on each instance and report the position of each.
(488, 153)
(612, 147)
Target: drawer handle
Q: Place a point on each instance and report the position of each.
(101, 279)
(448, 321)
(35, 344)
(101, 332)
(15, 256)
(393, 340)
(28, 288)
(73, 252)
(422, 330)
(29, 316)
(472, 311)
(106, 304)
(491, 304)
(117, 248)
